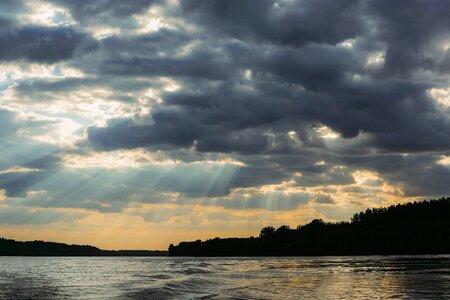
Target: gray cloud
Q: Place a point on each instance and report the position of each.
(408, 29)
(258, 80)
(293, 23)
(43, 44)
(20, 152)
(9, 11)
(21, 216)
(110, 12)
(9, 126)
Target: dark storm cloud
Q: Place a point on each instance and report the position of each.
(169, 129)
(383, 108)
(331, 96)
(46, 90)
(408, 27)
(110, 12)
(424, 134)
(32, 87)
(146, 45)
(259, 79)
(9, 11)
(200, 65)
(324, 175)
(259, 173)
(17, 184)
(22, 152)
(160, 54)
(19, 174)
(316, 68)
(220, 117)
(417, 174)
(275, 168)
(284, 75)
(232, 120)
(242, 141)
(294, 23)
(43, 44)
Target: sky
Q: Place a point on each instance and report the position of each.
(136, 124)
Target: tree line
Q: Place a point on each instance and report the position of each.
(413, 228)
(40, 248)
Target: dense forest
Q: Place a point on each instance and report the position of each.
(412, 228)
(40, 248)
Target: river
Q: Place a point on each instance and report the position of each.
(361, 277)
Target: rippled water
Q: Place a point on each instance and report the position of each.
(224, 278)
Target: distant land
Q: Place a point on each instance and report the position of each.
(41, 248)
(411, 228)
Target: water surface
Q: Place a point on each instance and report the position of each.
(225, 278)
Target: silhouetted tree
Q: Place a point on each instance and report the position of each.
(282, 229)
(411, 228)
(266, 231)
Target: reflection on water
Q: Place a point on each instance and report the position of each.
(225, 278)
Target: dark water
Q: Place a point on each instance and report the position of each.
(374, 277)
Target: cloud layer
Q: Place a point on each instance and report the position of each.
(165, 110)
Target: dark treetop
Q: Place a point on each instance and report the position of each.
(412, 228)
